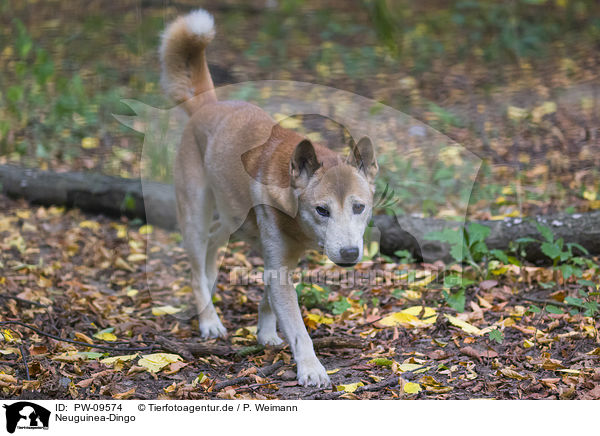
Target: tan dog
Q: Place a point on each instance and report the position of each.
(269, 185)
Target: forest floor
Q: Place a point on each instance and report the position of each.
(98, 282)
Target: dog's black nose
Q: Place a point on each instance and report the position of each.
(349, 254)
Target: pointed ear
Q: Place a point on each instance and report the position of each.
(362, 156)
(303, 164)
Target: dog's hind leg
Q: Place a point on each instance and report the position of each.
(218, 238)
(195, 207)
(195, 222)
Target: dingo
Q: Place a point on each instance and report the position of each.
(237, 170)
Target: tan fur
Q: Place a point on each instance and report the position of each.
(266, 184)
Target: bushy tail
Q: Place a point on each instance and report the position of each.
(182, 54)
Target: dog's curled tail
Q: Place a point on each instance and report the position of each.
(185, 71)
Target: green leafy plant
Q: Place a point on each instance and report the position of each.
(454, 290)
(467, 246)
(496, 336)
(564, 261)
(312, 296)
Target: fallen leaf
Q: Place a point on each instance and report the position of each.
(93, 225)
(106, 335)
(115, 359)
(412, 388)
(124, 395)
(165, 310)
(465, 326)
(349, 387)
(478, 353)
(511, 373)
(157, 361)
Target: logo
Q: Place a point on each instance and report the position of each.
(26, 415)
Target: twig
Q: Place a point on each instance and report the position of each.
(318, 343)
(541, 301)
(71, 341)
(22, 300)
(390, 381)
(263, 372)
(24, 358)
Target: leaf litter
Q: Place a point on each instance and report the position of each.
(74, 277)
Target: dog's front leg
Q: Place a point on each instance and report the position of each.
(281, 257)
(284, 301)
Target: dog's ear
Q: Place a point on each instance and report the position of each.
(303, 164)
(362, 156)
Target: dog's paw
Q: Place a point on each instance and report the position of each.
(270, 338)
(212, 329)
(313, 374)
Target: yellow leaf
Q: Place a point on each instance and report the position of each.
(465, 326)
(589, 195)
(115, 359)
(569, 371)
(121, 230)
(516, 113)
(546, 108)
(349, 387)
(412, 388)
(409, 367)
(136, 257)
(170, 388)
(184, 291)
(412, 295)
(157, 361)
(8, 336)
(409, 317)
(429, 313)
(56, 210)
(397, 318)
(146, 229)
(89, 142)
(319, 319)
(76, 356)
(120, 263)
(105, 336)
(512, 214)
(432, 385)
(89, 225)
(24, 214)
(165, 310)
(510, 373)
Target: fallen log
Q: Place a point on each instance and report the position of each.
(155, 203)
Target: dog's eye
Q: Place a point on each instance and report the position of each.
(322, 211)
(358, 208)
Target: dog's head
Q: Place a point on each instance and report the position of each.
(335, 201)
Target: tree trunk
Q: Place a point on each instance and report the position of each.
(155, 203)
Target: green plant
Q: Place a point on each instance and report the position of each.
(560, 253)
(496, 335)
(467, 246)
(311, 295)
(567, 265)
